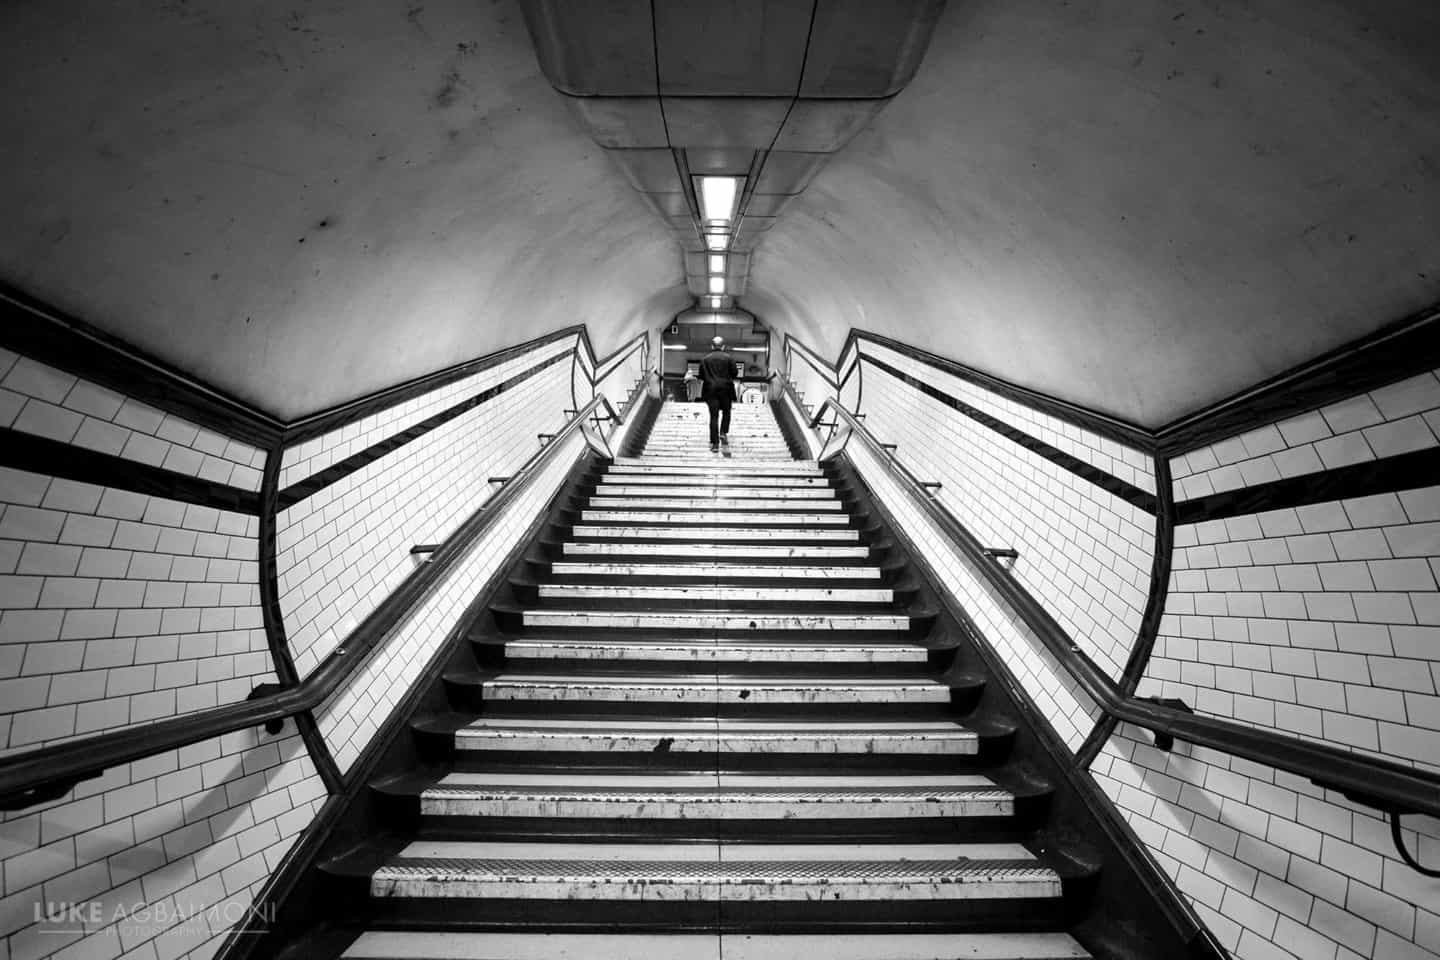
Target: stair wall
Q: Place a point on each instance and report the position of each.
(345, 547)
(119, 607)
(1319, 619)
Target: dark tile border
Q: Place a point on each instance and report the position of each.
(1120, 488)
(50, 336)
(1402, 349)
(25, 451)
(313, 484)
(1139, 660)
(322, 423)
(1122, 432)
(1407, 471)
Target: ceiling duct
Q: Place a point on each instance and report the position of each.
(764, 90)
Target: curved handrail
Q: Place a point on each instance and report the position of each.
(1383, 784)
(34, 775)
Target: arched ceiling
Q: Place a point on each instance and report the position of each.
(1138, 205)
(302, 202)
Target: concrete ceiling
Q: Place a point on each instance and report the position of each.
(1138, 205)
(302, 202)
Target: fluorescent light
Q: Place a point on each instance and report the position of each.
(717, 263)
(715, 302)
(717, 241)
(717, 198)
(717, 284)
(749, 349)
(675, 346)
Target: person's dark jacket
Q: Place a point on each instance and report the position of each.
(717, 376)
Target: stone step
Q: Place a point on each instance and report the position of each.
(711, 690)
(714, 620)
(702, 539)
(652, 502)
(427, 945)
(713, 571)
(712, 651)
(715, 492)
(714, 797)
(762, 467)
(729, 518)
(768, 551)
(719, 481)
(713, 595)
(611, 735)
(655, 872)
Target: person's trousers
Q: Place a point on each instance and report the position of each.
(719, 416)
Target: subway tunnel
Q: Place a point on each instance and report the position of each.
(369, 586)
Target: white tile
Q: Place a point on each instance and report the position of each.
(35, 379)
(1414, 395)
(1352, 414)
(1304, 429)
(1390, 439)
(1344, 450)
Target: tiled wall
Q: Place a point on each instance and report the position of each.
(41, 400)
(1317, 619)
(1085, 553)
(1394, 419)
(1320, 620)
(350, 720)
(117, 608)
(343, 549)
(168, 852)
(1278, 868)
(1070, 711)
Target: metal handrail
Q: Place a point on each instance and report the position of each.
(1382, 784)
(36, 775)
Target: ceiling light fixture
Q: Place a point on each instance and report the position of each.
(717, 284)
(717, 197)
(717, 263)
(717, 241)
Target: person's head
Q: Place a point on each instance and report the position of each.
(717, 343)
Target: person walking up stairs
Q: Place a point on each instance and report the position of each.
(717, 376)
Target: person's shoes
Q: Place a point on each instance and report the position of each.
(724, 440)
(714, 447)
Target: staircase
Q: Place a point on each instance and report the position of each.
(716, 715)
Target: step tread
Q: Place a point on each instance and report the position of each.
(688, 681)
(690, 534)
(713, 592)
(719, 571)
(679, 549)
(424, 945)
(629, 735)
(778, 518)
(717, 619)
(719, 871)
(715, 651)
